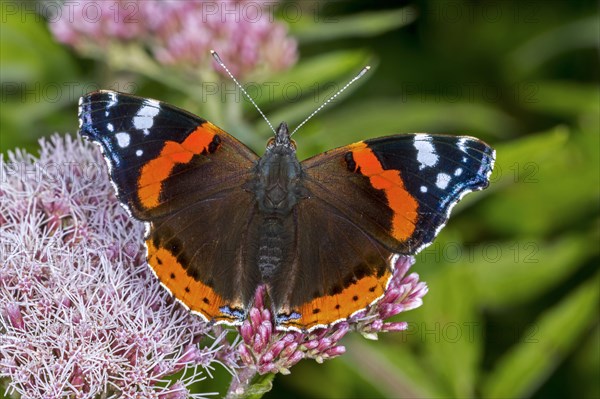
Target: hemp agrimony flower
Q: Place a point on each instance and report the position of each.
(80, 313)
(181, 33)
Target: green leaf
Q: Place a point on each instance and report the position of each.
(366, 24)
(555, 334)
(255, 388)
(539, 50)
(452, 348)
(565, 98)
(38, 79)
(336, 379)
(587, 363)
(260, 385)
(29, 53)
(333, 70)
(533, 148)
(391, 367)
(513, 272)
(540, 167)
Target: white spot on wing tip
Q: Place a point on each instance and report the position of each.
(123, 139)
(443, 180)
(426, 154)
(112, 99)
(461, 143)
(144, 118)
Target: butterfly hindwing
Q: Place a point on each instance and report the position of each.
(337, 269)
(198, 254)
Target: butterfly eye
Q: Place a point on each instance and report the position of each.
(273, 141)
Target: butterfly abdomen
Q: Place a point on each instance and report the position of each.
(271, 247)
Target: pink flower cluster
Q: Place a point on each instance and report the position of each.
(80, 313)
(404, 293)
(181, 33)
(271, 351)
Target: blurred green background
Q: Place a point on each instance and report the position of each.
(512, 310)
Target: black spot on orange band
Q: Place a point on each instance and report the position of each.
(327, 309)
(202, 140)
(193, 293)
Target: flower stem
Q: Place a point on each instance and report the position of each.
(250, 385)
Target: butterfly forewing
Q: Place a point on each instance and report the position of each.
(401, 188)
(160, 157)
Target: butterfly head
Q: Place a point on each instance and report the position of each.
(281, 141)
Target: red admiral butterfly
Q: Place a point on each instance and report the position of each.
(321, 234)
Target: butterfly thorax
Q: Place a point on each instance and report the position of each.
(277, 184)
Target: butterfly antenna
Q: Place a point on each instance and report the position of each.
(220, 62)
(330, 99)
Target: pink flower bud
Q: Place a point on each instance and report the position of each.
(336, 351)
(245, 354)
(15, 316)
(276, 348)
(395, 326)
(246, 332)
(255, 318)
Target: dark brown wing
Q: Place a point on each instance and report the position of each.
(368, 201)
(183, 176)
(198, 254)
(338, 269)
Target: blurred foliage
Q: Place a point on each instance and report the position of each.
(513, 304)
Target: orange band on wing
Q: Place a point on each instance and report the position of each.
(156, 171)
(399, 200)
(193, 293)
(328, 309)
